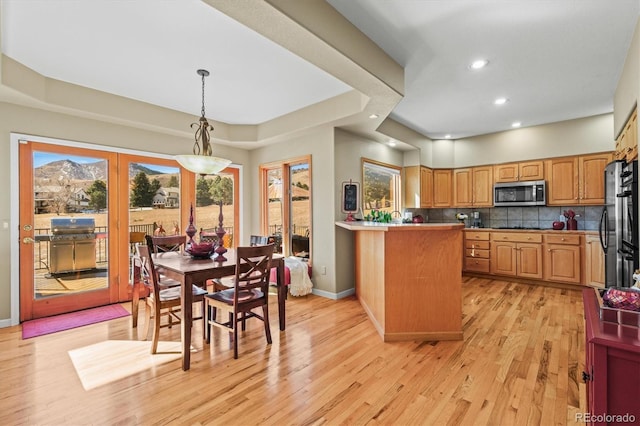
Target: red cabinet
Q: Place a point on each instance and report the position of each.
(612, 368)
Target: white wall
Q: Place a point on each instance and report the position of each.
(349, 150)
(572, 137)
(319, 144)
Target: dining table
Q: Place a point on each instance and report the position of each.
(189, 271)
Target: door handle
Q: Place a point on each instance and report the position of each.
(28, 240)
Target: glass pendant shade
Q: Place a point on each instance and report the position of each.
(202, 164)
(202, 161)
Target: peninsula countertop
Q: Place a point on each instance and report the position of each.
(377, 226)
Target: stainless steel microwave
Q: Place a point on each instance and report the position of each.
(533, 193)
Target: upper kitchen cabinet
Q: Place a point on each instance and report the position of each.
(473, 187)
(591, 174)
(627, 141)
(442, 187)
(576, 180)
(462, 187)
(418, 189)
(523, 171)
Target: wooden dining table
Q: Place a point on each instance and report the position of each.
(188, 271)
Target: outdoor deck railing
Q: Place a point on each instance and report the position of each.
(41, 245)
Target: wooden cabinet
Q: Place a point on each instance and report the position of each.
(562, 258)
(473, 187)
(562, 181)
(462, 187)
(591, 180)
(418, 189)
(612, 367)
(627, 141)
(594, 262)
(482, 184)
(576, 180)
(476, 251)
(442, 187)
(516, 254)
(523, 171)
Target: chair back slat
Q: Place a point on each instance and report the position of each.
(258, 261)
(148, 269)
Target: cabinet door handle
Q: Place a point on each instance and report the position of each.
(586, 377)
(549, 250)
(562, 238)
(528, 238)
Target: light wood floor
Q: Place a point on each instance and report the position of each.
(520, 363)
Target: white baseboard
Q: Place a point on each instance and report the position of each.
(334, 296)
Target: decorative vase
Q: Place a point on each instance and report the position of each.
(191, 230)
(572, 224)
(220, 250)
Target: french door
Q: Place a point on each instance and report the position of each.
(286, 205)
(68, 250)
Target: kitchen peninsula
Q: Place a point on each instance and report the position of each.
(409, 279)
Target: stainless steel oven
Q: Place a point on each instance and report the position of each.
(533, 193)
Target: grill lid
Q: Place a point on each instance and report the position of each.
(72, 225)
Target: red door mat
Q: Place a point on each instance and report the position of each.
(41, 326)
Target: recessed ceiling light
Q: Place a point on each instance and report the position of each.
(480, 63)
(392, 143)
(447, 136)
(516, 124)
(500, 101)
(372, 116)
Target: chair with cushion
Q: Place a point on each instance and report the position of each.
(163, 301)
(250, 291)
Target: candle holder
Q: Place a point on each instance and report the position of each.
(191, 229)
(220, 249)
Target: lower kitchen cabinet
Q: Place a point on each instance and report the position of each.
(612, 368)
(594, 262)
(516, 254)
(476, 251)
(562, 258)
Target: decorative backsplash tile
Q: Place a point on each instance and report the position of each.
(527, 217)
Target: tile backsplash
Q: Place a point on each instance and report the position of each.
(588, 217)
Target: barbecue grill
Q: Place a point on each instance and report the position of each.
(72, 244)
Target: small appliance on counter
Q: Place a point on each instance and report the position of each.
(477, 222)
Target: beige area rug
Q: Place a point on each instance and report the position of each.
(113, 360)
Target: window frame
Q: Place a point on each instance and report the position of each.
(397, 185)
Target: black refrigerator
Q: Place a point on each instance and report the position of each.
(618, 223)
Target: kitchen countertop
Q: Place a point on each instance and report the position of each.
(546, 231)
(377, 226)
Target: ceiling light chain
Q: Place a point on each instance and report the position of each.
(202, 162)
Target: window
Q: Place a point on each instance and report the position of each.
(286, 205)
(211, 190)
(380, 187)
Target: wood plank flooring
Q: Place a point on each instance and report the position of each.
(520, 363)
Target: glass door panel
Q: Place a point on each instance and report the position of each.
(300, 210)
(211, 191)
(275, 208)
(64, 255)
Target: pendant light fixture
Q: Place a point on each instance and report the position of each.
(202, 160)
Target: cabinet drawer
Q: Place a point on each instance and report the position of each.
(476, 235)
(517, 237)
(474, 252)
(477, 265)
(484, 245)
(573, 240)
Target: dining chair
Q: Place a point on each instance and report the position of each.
(250, 291)
(160, 244)
(208, 235)
(258, 240)
(164, 301)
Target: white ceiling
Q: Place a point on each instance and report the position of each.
(553, 60)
